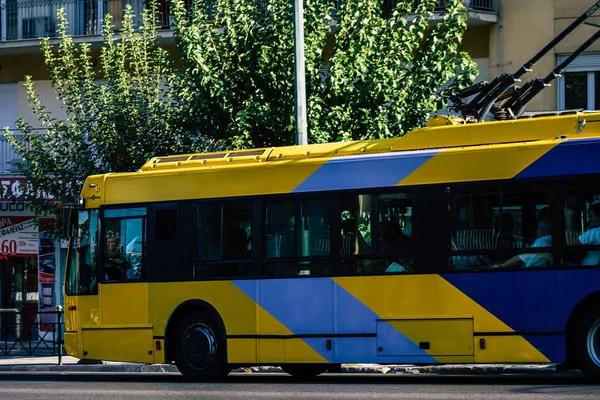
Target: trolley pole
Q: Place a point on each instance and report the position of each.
(299, 61)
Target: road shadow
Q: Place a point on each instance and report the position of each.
(545, 379)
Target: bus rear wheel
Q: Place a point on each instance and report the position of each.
(304, 371)
(199, 348)
(587, 343)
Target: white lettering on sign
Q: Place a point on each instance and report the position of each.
(12, 187)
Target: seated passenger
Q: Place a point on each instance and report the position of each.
(592, 236)
(235, 240)
(115, 265)
(534, 259)
(348, 244)
(572, 254)
(392, 240)
(572, 220)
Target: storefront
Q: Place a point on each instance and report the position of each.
(28, 260)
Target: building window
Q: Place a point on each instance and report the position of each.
(579, 85)
(576, 90)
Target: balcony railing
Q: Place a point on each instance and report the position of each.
(37, 18)
(22, 19)
(8, 156)
(475, 5)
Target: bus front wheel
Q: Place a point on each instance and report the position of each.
(587, 343)
(304, 371)
(199, 348)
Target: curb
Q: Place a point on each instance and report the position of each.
(461, 369)
(107, 368)
(346, 368)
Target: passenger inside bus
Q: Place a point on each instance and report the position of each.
(572, 255)
(114, 262)
(392, 240)
(348, 226)
(235, 239)
(544, 239)
(499, 236)
(592, 236)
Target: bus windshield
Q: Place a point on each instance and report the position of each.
(81, 259)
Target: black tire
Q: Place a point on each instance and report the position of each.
(587, 343)
(304, 371)
(199, 348)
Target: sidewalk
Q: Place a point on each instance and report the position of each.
(70, 364)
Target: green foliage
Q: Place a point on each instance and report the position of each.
(236, 86)
(118, 117)
(384, 77)
(387, 69)
(239, 66)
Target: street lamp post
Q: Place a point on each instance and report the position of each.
(300, 98)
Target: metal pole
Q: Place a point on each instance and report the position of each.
(301, 124)
(59, 328)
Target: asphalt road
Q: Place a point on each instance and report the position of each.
(150, 386)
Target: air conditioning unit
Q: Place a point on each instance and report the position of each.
(38, 27)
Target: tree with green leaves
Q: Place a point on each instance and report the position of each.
(383, 79)
(390, 69)
(238, 60)
(236, 85)
(118, 116)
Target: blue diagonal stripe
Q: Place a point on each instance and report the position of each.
(321, 306)
(579, 156)
(368, 171)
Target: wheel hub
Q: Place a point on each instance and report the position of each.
(593, 343)
(198, 346)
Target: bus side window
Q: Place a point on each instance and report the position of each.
(124, 242)
(280, 229)
(379, 226)
(582, 226)
(297, 229)
(501, 227)
(224, 238)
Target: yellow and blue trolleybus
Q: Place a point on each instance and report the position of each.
(457, 243)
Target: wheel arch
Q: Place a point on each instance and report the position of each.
(182, 309)
(580, 309)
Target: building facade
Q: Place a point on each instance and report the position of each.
(501, 36)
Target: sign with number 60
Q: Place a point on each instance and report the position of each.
(19, 237)
(8, 247)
